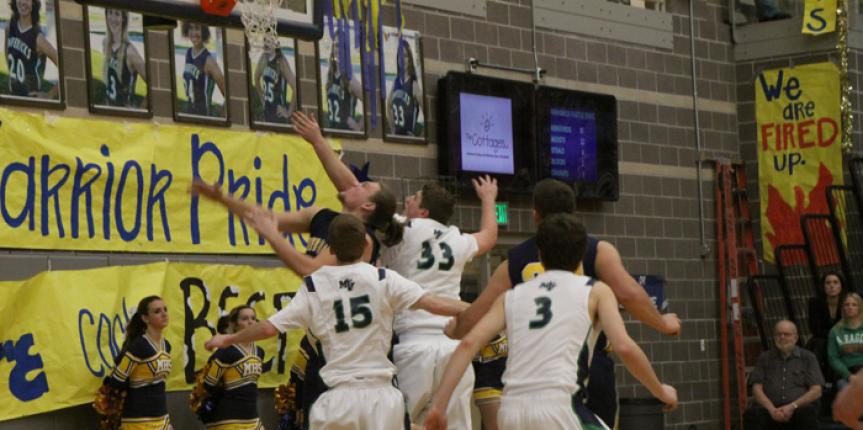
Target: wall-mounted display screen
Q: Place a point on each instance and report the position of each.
(486, 134)
(576, 140)
(520, 133)
(485, 128)
(572, 140)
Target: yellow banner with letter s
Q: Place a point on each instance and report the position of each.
(82, 184)
(799, 153)
(61, 330)
(819, 17)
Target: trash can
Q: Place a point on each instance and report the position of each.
(641, 414)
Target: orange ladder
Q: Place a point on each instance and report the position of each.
(733, 229)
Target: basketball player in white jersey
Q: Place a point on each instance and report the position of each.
(547, 320)
(350, 309)
(433, 254)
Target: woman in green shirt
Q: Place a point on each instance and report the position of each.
(845, 343)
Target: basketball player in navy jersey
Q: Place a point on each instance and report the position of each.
(27, 49)
(342, 94)
(274, 82)
(122, 62)
(201, 73)
(402, 103)
(601, 261)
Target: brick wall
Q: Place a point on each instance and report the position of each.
(655, 223)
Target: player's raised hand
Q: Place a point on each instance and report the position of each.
(263, 221)
(218, 341)
(307, 126)
(201, 188)
(672, 324)
(485, 187)
(669, 397)
(435, 419)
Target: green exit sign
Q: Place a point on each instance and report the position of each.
(502, 212)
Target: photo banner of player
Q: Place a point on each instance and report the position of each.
(117, 62)
(819, 17)
(30, 73)
(80, 184)
(340, 82)
(62, 329)
(273, 87)
(403, 102)
(799, 148)
(200, 83)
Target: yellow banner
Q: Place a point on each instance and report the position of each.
(68, 183)
(819, 17)
(799, 147)
(61, 330)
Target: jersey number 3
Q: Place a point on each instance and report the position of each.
(361, 313)
(543, 312)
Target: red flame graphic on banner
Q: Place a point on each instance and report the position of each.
(785, 220)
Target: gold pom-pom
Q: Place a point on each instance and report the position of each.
(199, 394)
(285, 397)
(109, 404)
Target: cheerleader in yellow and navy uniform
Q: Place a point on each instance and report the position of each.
(142, 368)
(231, 379)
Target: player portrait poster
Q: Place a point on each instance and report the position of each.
(117, 62)
(200, 83)
(340, 83)
(402, 98)
(273, 89)
(31, 72)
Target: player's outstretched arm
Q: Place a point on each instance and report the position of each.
(497, 285)
(259, 331)
(266, 224)
(486, 329)
(848, 406)
(340, 174)
(604, 306)
(293, 222)
(634, 299)
(440, 305)
(486, 237)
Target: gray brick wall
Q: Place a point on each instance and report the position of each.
(655, 223)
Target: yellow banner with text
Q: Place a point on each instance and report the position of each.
(61, 330)
(83, 184)
(799, 149)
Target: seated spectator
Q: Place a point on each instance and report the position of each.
(769, 10)
(786, 385)
(845, 343)
(825, 310)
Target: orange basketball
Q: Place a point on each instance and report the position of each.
(218, 7)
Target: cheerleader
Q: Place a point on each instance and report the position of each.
(226, 396)
(142, 367)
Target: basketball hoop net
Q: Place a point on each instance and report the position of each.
(259, 20)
